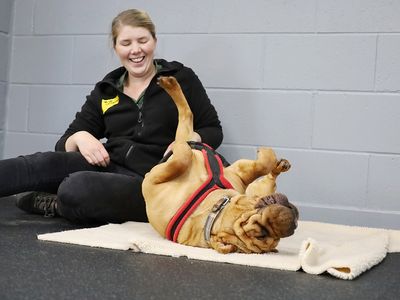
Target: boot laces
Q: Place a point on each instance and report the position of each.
(46, 203)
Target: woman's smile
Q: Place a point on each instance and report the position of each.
(137, 60)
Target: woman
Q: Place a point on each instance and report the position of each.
(96, 182)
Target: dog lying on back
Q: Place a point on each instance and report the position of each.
(235, 209)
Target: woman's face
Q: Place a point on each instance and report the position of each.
(135, 48)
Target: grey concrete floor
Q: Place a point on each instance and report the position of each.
(33, 269)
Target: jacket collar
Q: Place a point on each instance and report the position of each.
(166, 67)
(109, 84)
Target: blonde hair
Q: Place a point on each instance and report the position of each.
(134, 18)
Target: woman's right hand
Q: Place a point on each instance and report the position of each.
(90, 147)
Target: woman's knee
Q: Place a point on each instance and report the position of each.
(101, 196)
(77, 188)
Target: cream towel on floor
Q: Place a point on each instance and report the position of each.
(342, 251)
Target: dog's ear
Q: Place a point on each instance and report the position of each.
(276, 198)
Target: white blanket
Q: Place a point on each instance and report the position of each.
(343, 251)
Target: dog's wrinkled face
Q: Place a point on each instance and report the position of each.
(260, 229)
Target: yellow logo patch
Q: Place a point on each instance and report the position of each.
(107, 103)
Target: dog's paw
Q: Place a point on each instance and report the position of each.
(283, 165)
(167, 82)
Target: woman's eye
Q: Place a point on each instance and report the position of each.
(125, 43)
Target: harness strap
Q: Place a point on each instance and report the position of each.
(215, 180)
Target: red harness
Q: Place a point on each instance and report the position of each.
(214, 164)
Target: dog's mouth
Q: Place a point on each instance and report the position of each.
(264, 234)
(258, 235)
(255, 229)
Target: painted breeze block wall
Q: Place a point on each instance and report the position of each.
(316, 80)
(5, 39)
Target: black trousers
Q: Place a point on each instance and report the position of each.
(85, 193)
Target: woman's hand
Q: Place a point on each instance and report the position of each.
(194, 138)
(90, 147)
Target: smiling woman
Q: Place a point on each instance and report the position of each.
(134, 42)
(88, 181)
(135, 48)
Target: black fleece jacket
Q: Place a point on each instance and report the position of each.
(138, 137)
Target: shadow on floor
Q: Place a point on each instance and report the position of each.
(33, 269)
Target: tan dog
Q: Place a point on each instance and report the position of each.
(245, 215)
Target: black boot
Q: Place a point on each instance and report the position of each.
(37, 203)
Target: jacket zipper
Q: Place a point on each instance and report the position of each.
(140, 116)
(140, 123)
(128, 152)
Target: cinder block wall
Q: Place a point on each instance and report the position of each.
(316, 80)
(5, 25)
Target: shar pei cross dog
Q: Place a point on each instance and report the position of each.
(195, 198)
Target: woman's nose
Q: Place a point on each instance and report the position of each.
(135, 48)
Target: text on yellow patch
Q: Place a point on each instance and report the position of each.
(108, 103)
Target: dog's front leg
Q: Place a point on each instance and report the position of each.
(249, 170)
(266, 185)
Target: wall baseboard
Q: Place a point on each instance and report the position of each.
(352, 217)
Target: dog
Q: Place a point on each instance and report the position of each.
(235, 210)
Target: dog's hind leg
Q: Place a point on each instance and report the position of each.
(185, 116)
(178, 163)
(182, 153)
